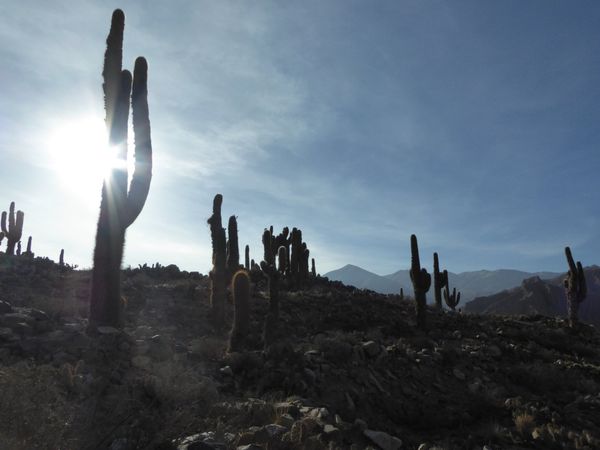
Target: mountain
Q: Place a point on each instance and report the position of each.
(470, 284)
(363, 279)
(546, 297)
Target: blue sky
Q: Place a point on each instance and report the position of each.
(474, 124)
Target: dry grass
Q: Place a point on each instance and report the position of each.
(524, 423)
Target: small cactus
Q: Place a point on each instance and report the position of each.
(247, 257)
(61, 258)
(421, 281)
(440, 280)
(14, 231)
(453, 299)
(575, 286)
(240, 287)
(19, 248)
(28, 253)
(401, 293)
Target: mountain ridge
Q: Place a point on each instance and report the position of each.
(471, 284)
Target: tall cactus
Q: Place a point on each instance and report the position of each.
(440, 280)
(240, 287)
(233, 251)
(119, 205)
(272, 319)
(576, 287)
(218, 274)
(14, 231)
(421, 281)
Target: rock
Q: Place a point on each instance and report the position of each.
(12, 319)
(226, 371)
(494, 351)
(274, 430)
(360, 424)
(458, 374)
(371, 349)
(5, 307)
(108, 331)
(332, 432)
(250, 447)
(383, 440)
(6, 334)
(286, 420)
(141, 362)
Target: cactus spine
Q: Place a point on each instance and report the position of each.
(453, 299)
(421, 281)
(575, 286)
(247, 257)
(240, 286)
(14, 231)
(440, 280)
(218, 274)
(119, 206)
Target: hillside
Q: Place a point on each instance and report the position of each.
(349, 370)
(470, 284)
(546, 297)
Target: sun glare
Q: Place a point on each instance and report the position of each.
(80, 155)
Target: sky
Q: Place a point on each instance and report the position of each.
(474, 125)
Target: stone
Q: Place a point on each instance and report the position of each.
(141, 362)
(458, 374)
(371, 349)
(5, 307)
(383, 440)
(106, 330)
(11, 319)
(275, 430)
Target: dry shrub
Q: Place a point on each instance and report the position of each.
(524, 423)
(34, 413)
(176, 386)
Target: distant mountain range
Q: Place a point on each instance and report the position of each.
(470, 284)
(546, 297)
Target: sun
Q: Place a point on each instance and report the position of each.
(79, 154)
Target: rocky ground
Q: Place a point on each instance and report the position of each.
(349, 371)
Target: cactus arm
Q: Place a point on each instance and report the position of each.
(3, 223)
(11, 217)
(570, 260)
(142, 173)
(581, 281)
(19, 225)
(111, 72)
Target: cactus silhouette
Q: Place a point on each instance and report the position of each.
(119, 205)
(453, 299)
(282, 260)
(576, 287)
(18, 248)
(218, 274)
(421, 281)
(247, 257)
(28, 252)
(233, 251)
(439, 281)
(14, 231)
(272, 319)
(61, 258)
(313, 270)
(240, 287)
